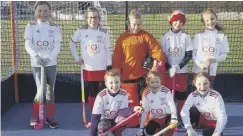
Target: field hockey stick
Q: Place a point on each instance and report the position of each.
(86, 124)
(173, 86)
(119, 124)
(162, 131)
(39, 125)
(211, 82)
(173, 91)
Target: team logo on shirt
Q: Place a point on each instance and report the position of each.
(38, 31)
(92, 49)
(174, 52)
(50, 33)
(151, 101)
(43, 45)
(208, 51)
(208, 115)
(110, 114)
(157, 113)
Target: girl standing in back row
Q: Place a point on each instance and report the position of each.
(209, 46)
(43, 42)
(95, 52)
(177, 46)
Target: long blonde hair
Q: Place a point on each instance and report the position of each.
(211, 11)
(91, 9)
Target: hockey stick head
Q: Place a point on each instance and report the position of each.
(87, 125)
(39, 125)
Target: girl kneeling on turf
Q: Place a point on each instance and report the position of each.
(159, 102)
(111, 106)
(209, 113)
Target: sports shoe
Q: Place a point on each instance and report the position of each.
(52, 123)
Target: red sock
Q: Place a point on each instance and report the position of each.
(50, 110)
(180, 104)
(91, 102)
(35, 110)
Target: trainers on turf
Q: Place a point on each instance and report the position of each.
(52, 123)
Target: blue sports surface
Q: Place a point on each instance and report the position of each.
(15, 122)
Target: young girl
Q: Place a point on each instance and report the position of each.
(111, 106)
(159, 102)
(177, 47)
(95, 52)
(42, 42)
(131, 49)
(209, 113)
(210, 46)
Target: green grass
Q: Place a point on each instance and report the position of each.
(156, 24)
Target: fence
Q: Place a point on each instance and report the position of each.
(69, 15)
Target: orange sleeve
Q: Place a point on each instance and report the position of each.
(118, 56)
(155, 51)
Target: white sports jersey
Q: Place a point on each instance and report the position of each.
(209, 44)
(211, 107)
(95, 48)
(160, 103)
(45, 39)
(108, 106)
(175, 46)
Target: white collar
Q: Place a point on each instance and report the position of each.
(211, 31)
(175, 33)
(42, 23)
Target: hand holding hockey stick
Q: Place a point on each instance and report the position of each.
(86, 124)
(39, 125)
(119, 124)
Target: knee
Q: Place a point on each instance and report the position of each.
(103, 126)
(151, 127)
(120, 119)
(194, 116)
(50, 94)
(208, 131)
